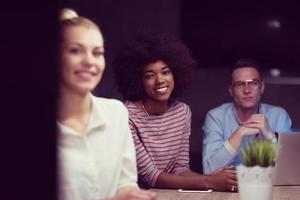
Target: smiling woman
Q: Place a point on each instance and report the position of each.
(158, 83)
(82, 57)
(151, 71)
(87, 169)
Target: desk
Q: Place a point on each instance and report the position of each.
(279, 193)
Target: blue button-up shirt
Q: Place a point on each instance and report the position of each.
(221, 122)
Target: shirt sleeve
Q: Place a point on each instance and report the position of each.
(217, 152)
(129, 171)
(147, 171)
(182, 161)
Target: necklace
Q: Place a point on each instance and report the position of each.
(144, 109)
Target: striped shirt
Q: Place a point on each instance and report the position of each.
(161, 141)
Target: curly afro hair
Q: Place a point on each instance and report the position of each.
(146, 48)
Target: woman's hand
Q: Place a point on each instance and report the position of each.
(134, 193)
(224, 179)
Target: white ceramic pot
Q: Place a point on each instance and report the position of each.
(255, 183)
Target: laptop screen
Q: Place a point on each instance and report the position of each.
(287, 164)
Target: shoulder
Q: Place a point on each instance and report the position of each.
(178, 105)
(130, 105)
(110, 105)
(179, 110)
(222, 109)
(278, 118)
(132, 108)
(272, 109)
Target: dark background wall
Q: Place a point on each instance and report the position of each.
(228, 30)
(218, 33)
(27, 102)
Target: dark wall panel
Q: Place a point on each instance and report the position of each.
(219, 32)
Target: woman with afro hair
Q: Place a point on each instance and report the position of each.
(151, 71)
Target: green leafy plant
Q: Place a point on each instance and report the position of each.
(259, 152)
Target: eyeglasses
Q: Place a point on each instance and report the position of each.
(252, 84)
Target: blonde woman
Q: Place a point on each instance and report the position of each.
(95, 148)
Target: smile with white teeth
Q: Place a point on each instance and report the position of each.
(162, 90)
(85, 75)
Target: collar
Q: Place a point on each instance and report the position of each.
(236, 116)
(97, 118)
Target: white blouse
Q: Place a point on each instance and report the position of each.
(98, 164)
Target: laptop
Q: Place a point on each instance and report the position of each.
(287, 165)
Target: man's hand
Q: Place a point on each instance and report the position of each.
(238, 135)
(257, 124)
(260, 122)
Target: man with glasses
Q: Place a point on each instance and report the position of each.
(230, 126)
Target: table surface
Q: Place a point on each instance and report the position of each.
(279, 193)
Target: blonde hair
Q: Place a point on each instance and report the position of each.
(69, 17)
(67, 14)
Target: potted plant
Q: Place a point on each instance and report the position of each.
(255, 172)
